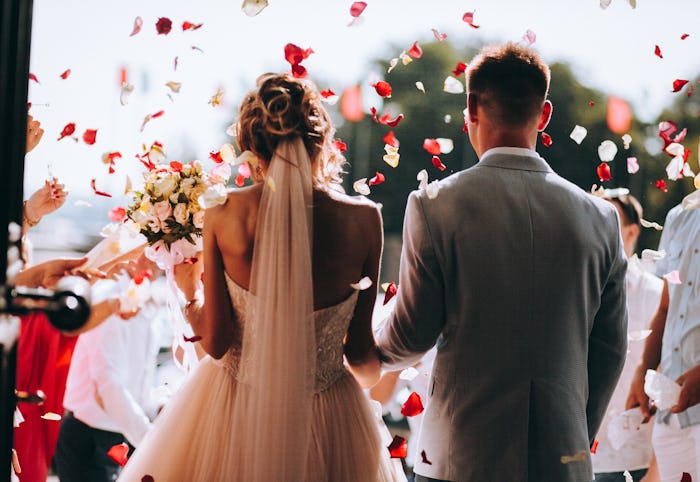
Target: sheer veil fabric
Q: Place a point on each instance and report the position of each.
(278, 353)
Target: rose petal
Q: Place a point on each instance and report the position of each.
(363, 284)
(126, 91)
(191, 339)
(607, 151)
(415, 51)
(438, 163)
(412, 406)
(546, 139)
(678, 84)
(632, 165)
(673, 277)
(389, 292)
(424, 458)
(674, 168)
(529, 37)
(382, 88)
(459, 69)
(148, 118)
(53, 417)
(626, 140)
(190, 26)
(340, 145)
(65, 74)
(253, 7)
(686, 477)
(217, 98)
(398, 448)
(661, 185)
(420, 86)
(469, 19)
(605, 4)
(117, 214)
(594, 447)
(89, 136)
(392, 155)
(377, 179)
(452, 85)
(391, 139)
(438, 36)
(119, 453)
(99, 193)
(163, 26)
(33, 77)
(409, 374)
(357, 8)
(68, 130)
(138, 22)
(657, 52)
(174, 86)
(685, 36)
(432, 146)
(578, 134)
(603, 171)
(360, 186)
(649, 224)
(147, 478)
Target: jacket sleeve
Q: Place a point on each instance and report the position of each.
(419, 314)
(607, 343)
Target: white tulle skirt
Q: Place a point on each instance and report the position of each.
(194, 440)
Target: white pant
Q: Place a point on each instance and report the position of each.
(677, 450)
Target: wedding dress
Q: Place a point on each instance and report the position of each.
(208, 431)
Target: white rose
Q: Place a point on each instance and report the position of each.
(165, 186)
(174, 197)
(198, 219)
(163, 210)
(181, 214)
(213, 196)
(186, 185)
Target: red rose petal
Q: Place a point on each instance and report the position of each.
(176, 166)
(340, 145)
(398, 447)
(65, 74)
(157, 114)
(432, 146)
(216, 157)
(295, 54)
(357, 8)
(386, 119)
(412, 406)
(469, 18)
(603, 171)
(391, 139)
(33, 77)
(117, 214)
(240, 180)
(119, 453)
(298, 71)
(424, 458)
(686, 477)
(99, 193)
(382, 88)
(190, 26)
(685, 36)
(415, 51)
(657, 52)
(377, 179)
(191, 339)
(163, 26)
(138, 22)
(460, 69)
(68, 130)
(661, 185)
(439, 36)
(678, 84)
(327, 93)
(546, 139)
(391, 291)
(147, 478)
(89, 136)
(591, 103)
(594, 447)
(438, 163)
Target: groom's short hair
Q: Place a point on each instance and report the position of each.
(510, 81)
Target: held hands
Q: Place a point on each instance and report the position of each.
(690, 390)
(637, 396)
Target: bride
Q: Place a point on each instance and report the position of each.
(290, 341)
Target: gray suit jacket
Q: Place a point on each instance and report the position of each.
(519, 277)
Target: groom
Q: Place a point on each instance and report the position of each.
(518, 277)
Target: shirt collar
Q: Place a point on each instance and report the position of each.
(511, 151)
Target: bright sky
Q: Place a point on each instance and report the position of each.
(611, 49)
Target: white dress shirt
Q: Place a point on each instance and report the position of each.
(643, 296)
(112, 375)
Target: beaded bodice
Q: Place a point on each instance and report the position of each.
(331, 325)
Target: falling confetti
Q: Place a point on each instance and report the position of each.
(33, 77)
(438, 163)
(432, 146)
(149, 117)
(626, 141)
(217, 98)
(191, 26)
(415, 51)
(357, 8)
(661, 185)
(459, 69)
(53, 417)
(174, 87)
(392, 155)
(391, 139)
(96, 191)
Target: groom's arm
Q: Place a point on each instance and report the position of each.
(419, 315)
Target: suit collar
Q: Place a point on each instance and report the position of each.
(514, 158)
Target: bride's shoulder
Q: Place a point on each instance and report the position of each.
(356, 203)
(237, 200)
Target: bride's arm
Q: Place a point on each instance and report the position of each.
(213, 320)
(360, 347)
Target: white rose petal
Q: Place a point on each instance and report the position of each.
(607, 150)
(446, 145)
(578, 134)
(181, 213)
(228, 153)
(360, 186)
(363, 284)
(408, 374)
(126, 91)
(420, 86)
(213, 196)
(392, 64)
(675, 149)
(627, 139)
(453, 85)
(649, 224)
(632, 165)
(54, 417)
(673, 168)
(448, 118)
(253, 7)
(246, 156)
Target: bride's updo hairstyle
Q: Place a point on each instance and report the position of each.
(282, 107)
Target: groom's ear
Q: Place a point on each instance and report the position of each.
(545, 116)
(471, 107)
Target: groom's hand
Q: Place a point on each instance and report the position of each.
(690, 390)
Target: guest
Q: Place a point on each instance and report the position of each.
(517, 277)
(643, 295)
(673, 348)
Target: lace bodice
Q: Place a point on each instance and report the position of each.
(331, 326)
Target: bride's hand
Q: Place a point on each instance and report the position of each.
(188, 276)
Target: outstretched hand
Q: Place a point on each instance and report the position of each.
(188, 276)
(637, 396)
(34, 132)
(690, 390)
(46, 199)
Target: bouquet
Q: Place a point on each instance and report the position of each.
(169, 210)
